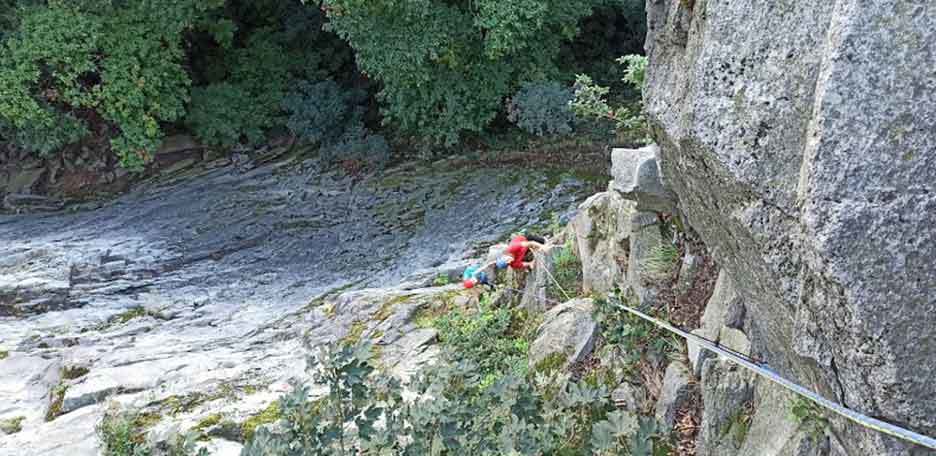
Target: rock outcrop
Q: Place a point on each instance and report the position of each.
(191, 298)
(566, 336)
(601, 231)
(801, 142)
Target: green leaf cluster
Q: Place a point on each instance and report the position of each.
(452, 411)
(445, 67)
(121, 433)
(114, 66)
(591, 101)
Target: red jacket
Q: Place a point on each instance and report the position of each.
(518, 251)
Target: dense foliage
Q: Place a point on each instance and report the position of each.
(542, 109)
(591, 100)
(481, 399)
(125, 74)
(446, 67)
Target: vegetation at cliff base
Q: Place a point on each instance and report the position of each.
(350, 77)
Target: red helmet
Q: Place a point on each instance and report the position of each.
(469, 283)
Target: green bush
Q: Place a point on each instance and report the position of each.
(568, 273)
(122, 61)
(633, 337)
(323, 113)
(542, 109)
(456, 414)
(319, 111)
(485, 338)
(359, 144)
(120, 433)
(591, 101)
(446, 67)
(242, 107)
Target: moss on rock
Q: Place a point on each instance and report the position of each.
(12, 425)
(267, 416)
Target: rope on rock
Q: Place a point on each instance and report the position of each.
(557, 283)
(764, 371)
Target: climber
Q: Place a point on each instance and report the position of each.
(474, 275)
(519, 253)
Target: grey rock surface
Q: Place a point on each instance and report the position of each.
(195, 293)
(645, 236)
(567, 330)
(637, 177)
(676, 391)
(772, 432)
(602, 240)
(801, 141)
(727, 407)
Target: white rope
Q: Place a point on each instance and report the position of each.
(858, 418)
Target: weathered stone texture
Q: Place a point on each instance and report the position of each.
(800, 138)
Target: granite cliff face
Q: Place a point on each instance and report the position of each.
(800, 138)
(190, 297)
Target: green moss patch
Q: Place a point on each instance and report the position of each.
(267, 416)
(57, 397)
(12, 425)
(552, 363)
(354, 335)
(73, 372)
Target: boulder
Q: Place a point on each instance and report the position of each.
(800, 142)
(17, 202)
(637, 177)
(727, 407)
(540, 291)
(568, 330)
(771, 431)
(645, 236)
(688, 271)
(602, 239)
(724, 314)
(23, 180)
(677, 390)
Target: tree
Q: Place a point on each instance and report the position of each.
(446, 66)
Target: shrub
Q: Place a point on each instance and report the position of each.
(635, 69)
(68, 57)
(318, 112)
(484, 338)
(660, 263)
(358, 144)
(323, 113)
(44, 141)
(591, 101)
(542, 109)
(455, 413)
(121, 434)
(246, 103)
(631, 336)
(809, 416)
(568, 273)
(446, 67)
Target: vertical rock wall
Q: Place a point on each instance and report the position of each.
(800, 138)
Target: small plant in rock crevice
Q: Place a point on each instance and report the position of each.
(12, 425)
(122, 433)
(660, 263)
(809, 416)
(591, 101)
(567, 270)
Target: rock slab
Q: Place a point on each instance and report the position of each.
(801, 142)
